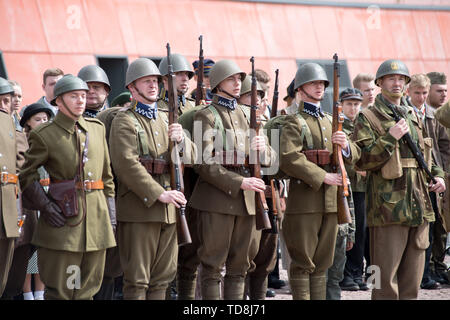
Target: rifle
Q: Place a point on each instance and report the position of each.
(274, 110)
(262, 210)
(200, 94)
(176, 174)
(412, 146)
(337, 161)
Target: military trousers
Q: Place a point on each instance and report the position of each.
(6, 257)
(148, 255)
(71, 275)
(224, 240)
(335, 273)
(397, 253)
(18, 270)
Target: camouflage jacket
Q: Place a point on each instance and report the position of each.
(357, 181)
(404, 200)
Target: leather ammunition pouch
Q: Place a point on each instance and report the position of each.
(154, 166)
(319, 157)
(64, 193)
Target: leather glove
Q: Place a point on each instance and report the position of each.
(35, 198)
(112, 212)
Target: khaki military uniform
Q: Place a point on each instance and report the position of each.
(398, 210)
(146, 227)
(310, 223)
(81, 243)
(8, 206)
(226, 219)
(185, 103)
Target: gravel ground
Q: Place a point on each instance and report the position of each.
(439, 294)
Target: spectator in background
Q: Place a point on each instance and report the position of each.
(365, 83)
(16, 103)
(438, 90)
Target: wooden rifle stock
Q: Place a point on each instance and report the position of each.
(200, 93)
(343, 210)
(176, 174)
(274, 110)
(262, 210)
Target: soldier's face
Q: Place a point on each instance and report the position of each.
(438, 95)
(393, 83)
(246, 99)
(315, 89)
(182, 82)
(351, 108)
(16, 98)
(72, 103)
(37, 119)
(418, 95)
(5, 102)
(231, 85)
(49, 86)
(97, 94)
(145, 89)
(368, 91)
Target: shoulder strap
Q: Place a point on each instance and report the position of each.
(306, 133)
(375, 123)
(218, 124)
(142, 141)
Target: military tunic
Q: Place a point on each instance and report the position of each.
(398, 210)
(185, 103)
(8, 205)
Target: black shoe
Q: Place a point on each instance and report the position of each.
(438, 277)
(275, 283)
(361, 284)
(430, 285)
(348, 284)
(270, 293)
(444, 277)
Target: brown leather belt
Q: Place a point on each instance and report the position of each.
(89, 185)
(155, 166)
(45, 182)
(8, 178)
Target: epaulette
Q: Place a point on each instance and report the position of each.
(43, 126)
(94, 121)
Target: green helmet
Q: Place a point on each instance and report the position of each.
(179, 63)
(392, 66)
(310, 72)
(139, 68)
(247, 86)
(93, 73)
(66, 84)
(5, 86)
(222, 70)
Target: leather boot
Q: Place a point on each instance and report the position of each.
(211, 289)
(257, 288)
(233, 288)
(186, 289)
(318, 287)
(300, 287)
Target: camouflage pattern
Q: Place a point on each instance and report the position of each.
(404, 200)
(443, 116)
(357, 181)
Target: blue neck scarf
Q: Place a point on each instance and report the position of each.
(88, 113)
(227, 103)
(312, 110)
(149, 111)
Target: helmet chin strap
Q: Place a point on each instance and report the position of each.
(152, 100)
(227, 93)
(310, 96)
(68, 109)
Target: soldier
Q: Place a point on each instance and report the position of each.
(99, 89)
(106, 116)
(365, 83)
(290, 96)
(207, 65)
(139, 142)
(398, 205)
(183, 73)
(8, 206)
(227, 218)
(77, 216)
(438, 90)
(310, 223)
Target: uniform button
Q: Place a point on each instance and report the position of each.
(1, 155)
(145, 199)
(246, 171)
(241, 144)
(229, 192)
(156, 133)
(4, 168)
(89, 174)
(325, 139)
(159, 145)
(323, 128)
(231, 207)
(79, 131)
(298, 182)
(83, 144)
(235, 122)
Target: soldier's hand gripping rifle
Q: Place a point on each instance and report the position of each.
(176, 174)
(412, 146)
(337, 160)
(262, 210)
(200, 92)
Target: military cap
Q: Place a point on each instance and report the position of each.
(122, 98)
(66, 84)
(93, 73)
(392, 66)
(310, 72)
(207, 65)
(34, 108)
(290, 91)
(437, 77)
(351, 94)
(5, 86)
(179, 64)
